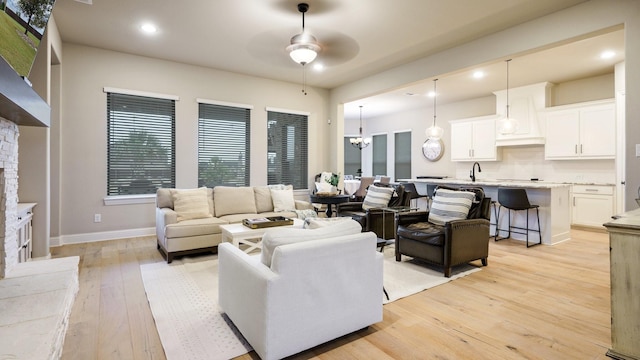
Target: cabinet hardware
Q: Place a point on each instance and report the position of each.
(580, 148)
(575, 149)
(574, 201)
(592, 190)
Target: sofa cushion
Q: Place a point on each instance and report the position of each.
(422, 231)
(194, 227)
(191, 203)
(263, 199)
(449, 205)
(283, 200)
(377, 197)
(164, 199)
(273, 238)
(234, 200)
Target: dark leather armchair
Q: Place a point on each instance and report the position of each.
(379, 221)
(456, 242)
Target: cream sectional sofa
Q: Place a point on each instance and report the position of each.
(188, 220)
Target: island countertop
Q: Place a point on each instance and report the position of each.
(492, 182)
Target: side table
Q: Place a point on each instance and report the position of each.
(329, 201)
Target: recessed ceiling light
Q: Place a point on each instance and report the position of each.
(608, 54)
(478, 74)
(318, 67)
(149, 28)
(431, 94)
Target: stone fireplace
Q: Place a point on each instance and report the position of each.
(8, 196)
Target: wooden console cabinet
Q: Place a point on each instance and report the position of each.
(25, 231)
(624, 242)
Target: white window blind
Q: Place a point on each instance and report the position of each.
(402, 155)
(223, 145)
(379, 154)
(287, 153)
(352, 158)
(140, 145)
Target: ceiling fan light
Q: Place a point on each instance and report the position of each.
(302, 54)
(304, 48)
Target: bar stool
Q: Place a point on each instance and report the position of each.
(516, 199)
(413, 193)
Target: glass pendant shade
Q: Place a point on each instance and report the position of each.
(434, 132)
(508, 125)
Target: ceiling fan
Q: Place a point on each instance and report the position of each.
(304, 47)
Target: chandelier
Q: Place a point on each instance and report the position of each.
(360, 142)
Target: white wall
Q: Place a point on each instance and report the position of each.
(83, 140)
(520, 162)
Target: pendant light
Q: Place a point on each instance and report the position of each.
(360, 142)
(434, 132)
(508, 125)
(304, 47)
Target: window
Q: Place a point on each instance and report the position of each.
(352, 159)
(379, 154)
(402, 155)
(140, 144)
(287, 149)
(223, 145)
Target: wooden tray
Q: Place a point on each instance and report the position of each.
(265, 222)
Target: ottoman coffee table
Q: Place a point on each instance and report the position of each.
(238, 234)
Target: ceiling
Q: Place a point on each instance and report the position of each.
(358, 38)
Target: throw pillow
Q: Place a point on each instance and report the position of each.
(316, 222)
(283, 200)
(323, 187)
(275, 237)
(234, 200)
(191, 203)
(377, 197)
(450, 205)
(263, 199)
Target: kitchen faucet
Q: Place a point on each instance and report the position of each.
(472, 173)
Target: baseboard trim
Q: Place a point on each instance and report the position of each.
(100, 236)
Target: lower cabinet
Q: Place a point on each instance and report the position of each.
(25, 231)
(593, 205)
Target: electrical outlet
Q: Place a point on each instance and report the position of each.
(637, 150)
(97, 218)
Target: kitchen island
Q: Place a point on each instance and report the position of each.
(553, 199)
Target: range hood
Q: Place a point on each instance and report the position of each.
(525, 105)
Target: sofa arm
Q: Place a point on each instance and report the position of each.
(349, 206)
(410, 217)
(164, 217)
(243, 285)
(468, 238)
(303, 205)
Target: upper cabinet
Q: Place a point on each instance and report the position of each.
(474, 139)
(581, 131)
(525, 104)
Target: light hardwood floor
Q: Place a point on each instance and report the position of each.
(545, 302)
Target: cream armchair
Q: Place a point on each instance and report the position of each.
(312, 292)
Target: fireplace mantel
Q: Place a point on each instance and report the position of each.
(19, 102)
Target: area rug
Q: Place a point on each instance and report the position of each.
(183, 297)
(408, 277)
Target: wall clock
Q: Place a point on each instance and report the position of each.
(432, 149)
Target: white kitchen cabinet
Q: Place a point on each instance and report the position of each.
(593, 205)
(581, 131)
(474, 139)
(25, 231)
